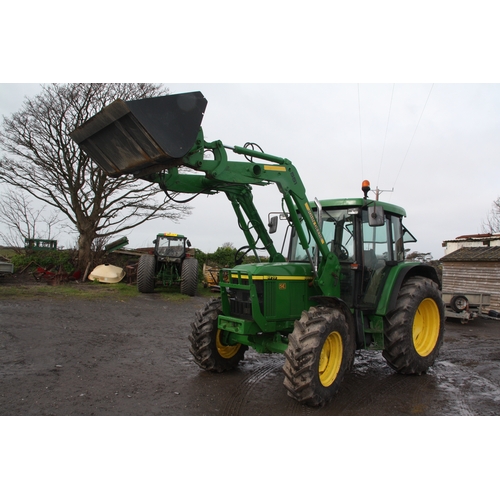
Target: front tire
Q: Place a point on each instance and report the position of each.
(189, 277)
(414, 331)
(146, 273)
(320, 352)
(207, 347)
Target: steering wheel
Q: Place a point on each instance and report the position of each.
(340, 251)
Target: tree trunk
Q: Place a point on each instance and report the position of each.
(85, 250)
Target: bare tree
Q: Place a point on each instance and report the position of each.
(41, 158)
(23, 220)
(419, 256)
(492, 224)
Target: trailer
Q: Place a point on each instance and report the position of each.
(465, 305)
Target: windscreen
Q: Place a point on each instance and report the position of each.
(170, 247)
(338, 231)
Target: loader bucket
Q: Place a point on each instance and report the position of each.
(143, 136)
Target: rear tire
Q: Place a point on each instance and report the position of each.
(189, 277)
(206, 346)
(146, 273)
(414, 331)
(320, 352)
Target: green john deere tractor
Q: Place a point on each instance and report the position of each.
(172, 263)
(342, 285)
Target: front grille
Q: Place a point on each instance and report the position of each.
(240, 303)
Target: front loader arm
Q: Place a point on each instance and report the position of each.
(240, 196)
(234, 178)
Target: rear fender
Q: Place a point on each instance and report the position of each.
(395, 280)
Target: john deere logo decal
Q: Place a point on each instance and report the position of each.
(282, 286)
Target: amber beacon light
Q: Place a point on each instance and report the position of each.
(365, 186)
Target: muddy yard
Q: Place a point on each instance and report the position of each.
(109, 356)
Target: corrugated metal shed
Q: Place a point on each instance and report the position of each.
(468, 254)
(473, 269)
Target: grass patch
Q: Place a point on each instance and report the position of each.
(88, 291)
(8, 253)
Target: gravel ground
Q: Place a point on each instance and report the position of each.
(103, 356)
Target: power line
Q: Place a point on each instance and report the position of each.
(414, 132)
(385, 138)
(360, 135)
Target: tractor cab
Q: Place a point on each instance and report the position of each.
(171, 247)
(368, 239)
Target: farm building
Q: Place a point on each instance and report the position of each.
(472, 264)
(471, 240)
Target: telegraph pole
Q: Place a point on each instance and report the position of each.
(378, 191)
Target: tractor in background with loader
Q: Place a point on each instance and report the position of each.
(172, 263)
(342, 285)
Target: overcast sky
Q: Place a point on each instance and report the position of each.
(431, 148)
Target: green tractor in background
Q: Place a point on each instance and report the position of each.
(172, 263)
(342, 285)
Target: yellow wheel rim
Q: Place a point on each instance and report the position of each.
(330, 359)
(225, 351)
(426, 326)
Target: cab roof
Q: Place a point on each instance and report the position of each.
(359, 203)
(171, 235)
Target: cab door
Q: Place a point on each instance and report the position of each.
(382, 247)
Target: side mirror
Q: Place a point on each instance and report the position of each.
(273, 224)
(188, 243)
(376, 215)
